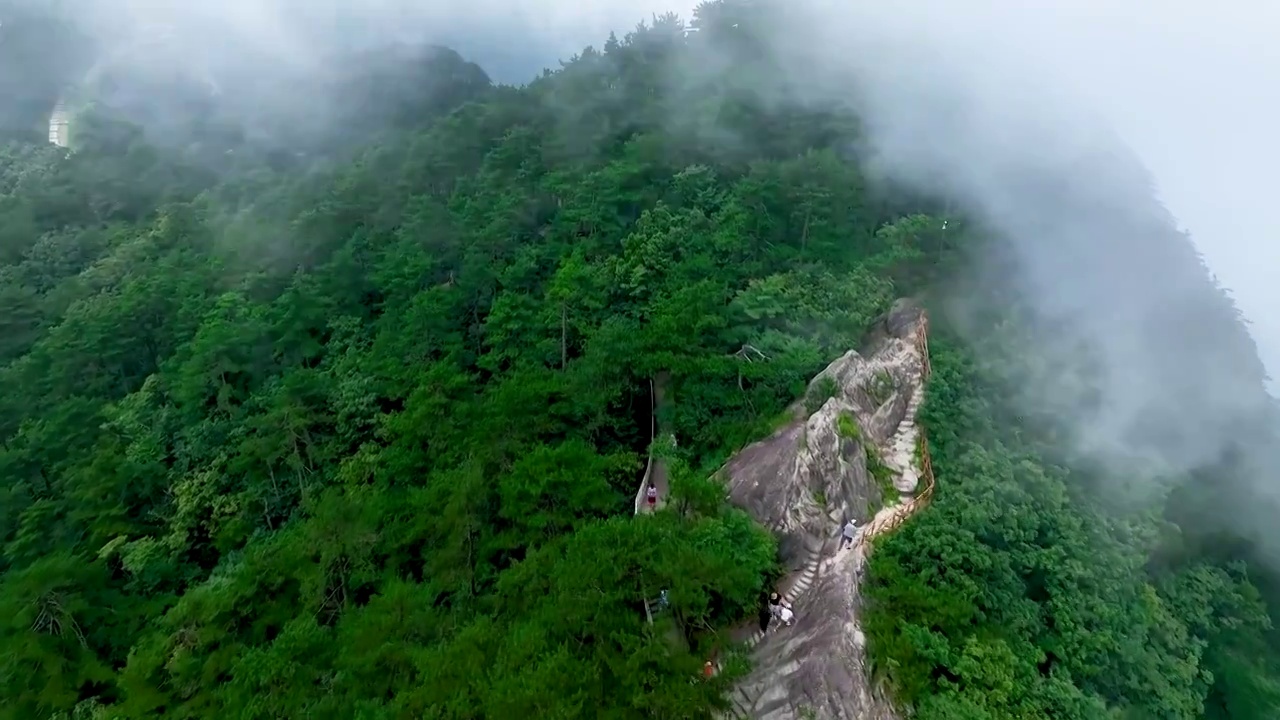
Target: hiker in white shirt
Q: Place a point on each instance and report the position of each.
(784, 613)
(848, 534)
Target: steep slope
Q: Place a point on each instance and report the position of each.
(854, 456)
(361, 437)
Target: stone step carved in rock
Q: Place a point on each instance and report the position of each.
(807, 668)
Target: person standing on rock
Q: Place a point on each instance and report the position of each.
(781, 609)
(784, 612)
(848, 534)
(651, 494)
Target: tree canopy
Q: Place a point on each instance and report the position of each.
(355, 434)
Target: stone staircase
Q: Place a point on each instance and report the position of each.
(59, 124)
(901, 453)
(901, 457)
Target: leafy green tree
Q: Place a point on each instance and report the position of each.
(345, 421)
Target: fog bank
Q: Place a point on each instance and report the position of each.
(1184, 84)
(1030, 117)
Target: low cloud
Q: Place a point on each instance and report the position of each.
(1060, 127)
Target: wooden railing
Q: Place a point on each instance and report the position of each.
(926, 462)
(902, 512)
(888, 523)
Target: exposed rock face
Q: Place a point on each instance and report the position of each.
(804, 482)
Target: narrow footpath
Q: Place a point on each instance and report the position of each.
(910, 468)
(656, 469)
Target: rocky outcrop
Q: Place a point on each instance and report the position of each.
(850, 452)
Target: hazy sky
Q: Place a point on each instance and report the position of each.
(1194, 93)
(1189, 85)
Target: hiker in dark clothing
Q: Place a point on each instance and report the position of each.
(765, 615)
(781, 609)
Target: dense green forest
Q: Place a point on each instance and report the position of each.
(354, 433)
